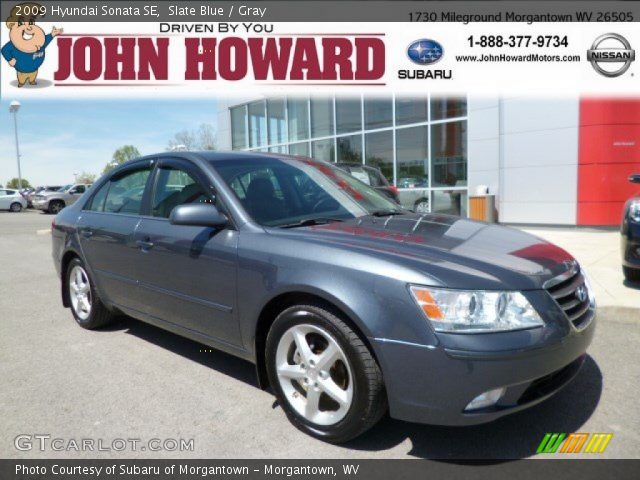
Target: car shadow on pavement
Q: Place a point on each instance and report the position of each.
(222, 362)
(512, 437)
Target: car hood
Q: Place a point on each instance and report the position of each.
(451, 251)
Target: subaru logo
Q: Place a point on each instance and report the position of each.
(581, 293)
(425, 51)
(611, 49)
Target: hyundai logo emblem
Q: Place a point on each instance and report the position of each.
(425, 51)
(581, 293)
(611, 48)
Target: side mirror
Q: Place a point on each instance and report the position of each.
(198, 215)
(635, 178)
(73, 191)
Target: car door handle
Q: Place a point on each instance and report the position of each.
(144, 244)
(87, 233)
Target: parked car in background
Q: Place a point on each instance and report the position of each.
(630, 239)
(348, 304)
(414, 194)
(54, 201)
(43, 188)
(372, 176)
(12, 200)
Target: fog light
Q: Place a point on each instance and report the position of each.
(485, 399)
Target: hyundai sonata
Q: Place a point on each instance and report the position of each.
(348, 305)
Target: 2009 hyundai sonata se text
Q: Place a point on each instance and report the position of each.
(348, 305)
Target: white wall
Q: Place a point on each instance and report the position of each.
(526, 151)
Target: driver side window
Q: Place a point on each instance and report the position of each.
(176, 187)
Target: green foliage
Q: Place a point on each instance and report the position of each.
(120, 156)
(14, 183)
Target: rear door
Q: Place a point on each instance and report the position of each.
(187, 274)
(4, 200)
(106, 230)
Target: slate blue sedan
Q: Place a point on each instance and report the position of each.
(348, 305)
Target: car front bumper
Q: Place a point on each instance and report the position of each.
(434, 384)
(630, 245)
(41, 204)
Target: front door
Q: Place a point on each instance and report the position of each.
(187, 274)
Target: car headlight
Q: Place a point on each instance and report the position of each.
(464, 311)
(634, 211)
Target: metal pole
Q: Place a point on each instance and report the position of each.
(15, 128)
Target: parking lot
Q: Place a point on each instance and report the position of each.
(135, 381)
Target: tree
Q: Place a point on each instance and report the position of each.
(204, 138)
(85, 177)
(121, 155)
(15, 183)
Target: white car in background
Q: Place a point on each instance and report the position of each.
(12, 200)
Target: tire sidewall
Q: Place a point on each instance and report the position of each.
(313, 316)
(87, 321)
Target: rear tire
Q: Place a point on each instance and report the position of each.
(335, 397)
(16, 207)
(631, 274)
(55, 207)
(86, 306)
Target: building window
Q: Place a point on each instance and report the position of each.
(411, 110)
(449, 154)
(324, 150)
(450, 202)
(238, 128)
(379, 152)
(419, 143)
(350, 149)
(348, 115)
(298, 119)
(412, 156)
(321, 117)
(277, 120)
(378, 113)
(257, 124)
(448, 107)
(301, 149)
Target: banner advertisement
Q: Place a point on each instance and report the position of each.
(319, 238)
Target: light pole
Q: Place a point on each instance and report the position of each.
(13, 108)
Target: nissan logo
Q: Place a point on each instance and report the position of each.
(425, 51)
(611, 48)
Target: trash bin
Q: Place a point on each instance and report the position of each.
(483, 208)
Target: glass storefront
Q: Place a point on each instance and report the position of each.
(418, 143)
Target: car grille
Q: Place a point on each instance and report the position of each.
(571, 292)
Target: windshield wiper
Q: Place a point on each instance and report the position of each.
(386, 213)
(307, 222)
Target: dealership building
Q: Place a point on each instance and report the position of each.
(557, 161)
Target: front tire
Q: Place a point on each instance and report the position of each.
(55, 207)
(86, 306)
(16, 207)
(324, 376)
(631, 274)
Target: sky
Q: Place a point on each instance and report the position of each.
(61, 137)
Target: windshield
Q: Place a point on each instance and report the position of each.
(65, 188)
(284, 191)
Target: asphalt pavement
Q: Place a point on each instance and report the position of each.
(132, 381)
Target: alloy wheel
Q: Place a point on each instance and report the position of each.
(314, 374)
(16, 207)
(422, 207)
(80, 292)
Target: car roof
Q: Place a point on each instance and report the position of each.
(213, 157)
